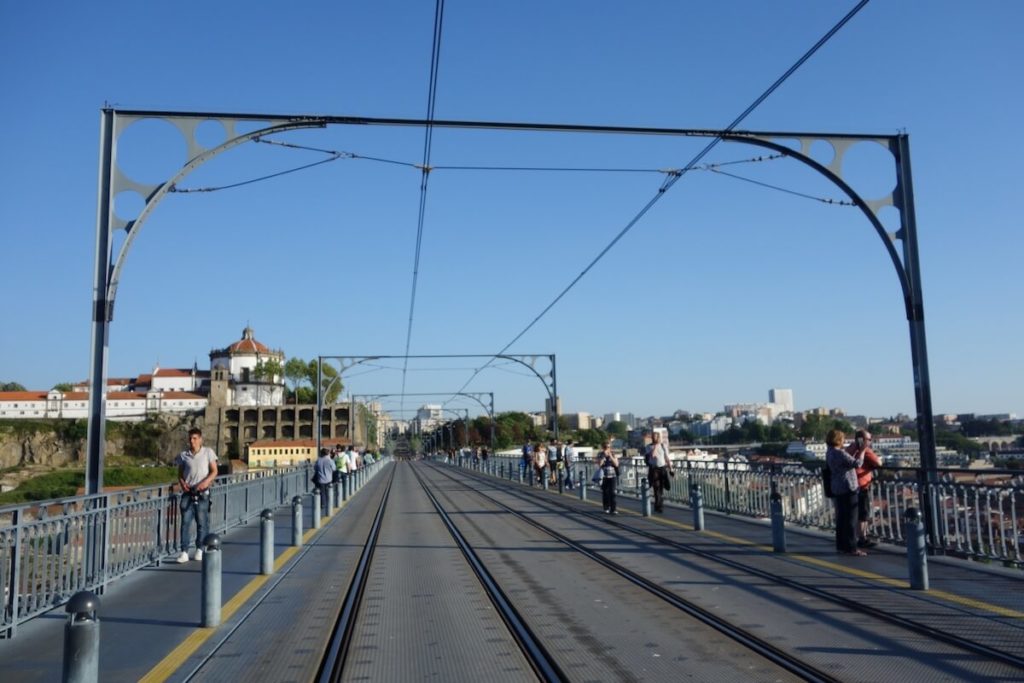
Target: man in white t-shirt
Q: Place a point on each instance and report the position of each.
(197, 468)
(569, 455)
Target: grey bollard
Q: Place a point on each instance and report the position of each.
(645, 498)
(544, 476)
(917, 550)
(335, 499)
(778, 524)
(561, 480)
(316, 508)
(582, 482)
(211, 594)
(267, 542)
(82, 639)
(521, 468)
(297, 521)
(697, 503)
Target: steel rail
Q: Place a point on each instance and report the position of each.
(910, 625)
(540, 659)
(333, 663)
(762, 647)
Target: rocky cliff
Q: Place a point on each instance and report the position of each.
(53, 443)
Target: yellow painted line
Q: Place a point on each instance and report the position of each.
(860, 573)
(176, 657)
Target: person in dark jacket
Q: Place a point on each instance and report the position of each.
(844, 466)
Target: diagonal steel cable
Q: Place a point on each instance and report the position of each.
(674, 177)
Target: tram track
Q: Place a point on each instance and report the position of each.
(914, 627)
(735, 633)
(540, 659)
(333, 663)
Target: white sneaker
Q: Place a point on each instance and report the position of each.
(199, 556)
(183, 558)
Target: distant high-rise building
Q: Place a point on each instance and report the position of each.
(782, 397)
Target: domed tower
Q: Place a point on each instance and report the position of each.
(255, 372)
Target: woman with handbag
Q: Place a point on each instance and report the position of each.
(608, 465)
(659, 466)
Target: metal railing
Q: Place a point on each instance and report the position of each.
(50, 550)
(979, 514)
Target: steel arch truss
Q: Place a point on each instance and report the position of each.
(112, 181)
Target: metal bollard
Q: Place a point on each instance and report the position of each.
(335, 498)
(582, 482)
(697, 503)
(645, 497)
(297, 521)
(544, 477)
(267, 542)
(561, 481)
(521, 468)
(316, 508)
(778, 524)
(211, 594)
(82, 639)
(917, 551)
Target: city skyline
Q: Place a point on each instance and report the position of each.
(723, 290)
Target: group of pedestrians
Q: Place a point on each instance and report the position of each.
(333, 466)
(552, 462)
(851, 470)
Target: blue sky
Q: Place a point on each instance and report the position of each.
(724, 290)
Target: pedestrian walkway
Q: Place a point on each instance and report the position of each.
(276, 627)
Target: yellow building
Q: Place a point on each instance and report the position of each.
(287, 453)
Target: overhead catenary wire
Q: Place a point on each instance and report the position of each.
(672, 179)
(428, 135)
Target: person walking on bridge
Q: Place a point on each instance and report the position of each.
(570, 464)
(659, 467)
(323, 477)
(608, 465)
(197, 468)
(540, 463)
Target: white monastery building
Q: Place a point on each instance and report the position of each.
(165, 390)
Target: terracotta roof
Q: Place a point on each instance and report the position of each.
(181, 394)
(173, 372)
(143, 379)
(22, 395)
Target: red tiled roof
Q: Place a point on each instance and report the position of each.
(173, 372)
(248, 346)
(22, 395)
(143, 379)
(181, 394)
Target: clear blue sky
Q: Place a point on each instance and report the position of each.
(722, 291)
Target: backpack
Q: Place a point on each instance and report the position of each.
(826, 481)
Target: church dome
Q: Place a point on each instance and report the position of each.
(248, 344)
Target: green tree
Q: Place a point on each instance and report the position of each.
(12, 386)
(591, 437)
(617, 429)
(815, 427)
(296, 372)
(62, 386)
(330, 382)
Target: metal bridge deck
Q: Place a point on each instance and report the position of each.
(424, 615)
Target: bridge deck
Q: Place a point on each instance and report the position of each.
(425, 615)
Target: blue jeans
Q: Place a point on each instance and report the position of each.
(199, 511)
